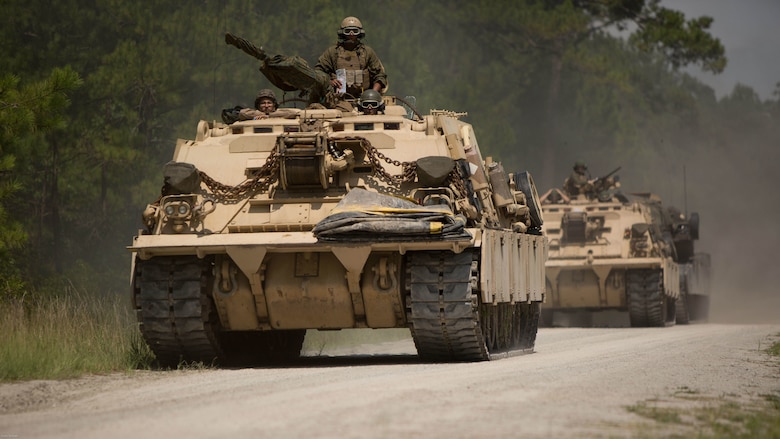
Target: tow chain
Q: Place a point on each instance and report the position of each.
(263, 178)
(268, 174)
(409, 169)
(459, 185)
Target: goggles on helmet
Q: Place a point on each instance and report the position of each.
(369, 105)
(351, 31)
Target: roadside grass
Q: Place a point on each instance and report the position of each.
(68, 335)
(75, 333)
(774, 350)
(689, 414)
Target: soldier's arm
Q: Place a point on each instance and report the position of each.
(567, 183)
(249, 114)
(327, 62)
(376, 70)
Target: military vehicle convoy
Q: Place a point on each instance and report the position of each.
(610, 252)
(323, 219)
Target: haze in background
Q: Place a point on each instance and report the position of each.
(748, 31)
(731, 183)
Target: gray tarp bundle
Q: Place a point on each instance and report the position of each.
(368, 216)
(180, 178)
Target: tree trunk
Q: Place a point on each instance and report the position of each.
(56, 227)
(551, 123)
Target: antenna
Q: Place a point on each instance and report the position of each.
(685, 192)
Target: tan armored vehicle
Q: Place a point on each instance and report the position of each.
(323, 219)
(694, 300)
(610, 253)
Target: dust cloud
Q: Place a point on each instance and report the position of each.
(739, 214)
(730, 184)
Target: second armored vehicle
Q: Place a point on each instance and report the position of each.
(610, 253)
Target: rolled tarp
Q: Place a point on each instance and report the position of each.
(369, 216)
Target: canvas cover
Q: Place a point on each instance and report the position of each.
(368, 216)
(180, 178)
(291, 73)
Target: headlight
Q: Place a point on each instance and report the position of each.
(178, 213)
(178, 209)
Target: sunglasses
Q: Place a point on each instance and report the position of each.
(369, 105)
(351, 31)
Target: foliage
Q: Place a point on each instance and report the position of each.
(27, 112)
(682, 42)
(94, 94)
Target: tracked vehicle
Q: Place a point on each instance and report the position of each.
(610, 252)
(694, 300)
(323, 219)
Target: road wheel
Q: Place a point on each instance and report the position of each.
(647, 303)
(526, 184)
(682, 316)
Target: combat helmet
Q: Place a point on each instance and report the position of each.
(579, 164)
(265, 93)
(350, 26)
(371, 99)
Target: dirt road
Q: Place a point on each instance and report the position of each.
(578, 383)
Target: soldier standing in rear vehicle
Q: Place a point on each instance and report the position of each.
(579, 180)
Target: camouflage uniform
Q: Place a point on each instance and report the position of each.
(578, 182)
(364, 69)
(251, 114)
(266, 98)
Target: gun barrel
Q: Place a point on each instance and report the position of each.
(611, 173)
(245, 45)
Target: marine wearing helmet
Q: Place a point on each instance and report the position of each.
(266, 101)
(371, 102)
(351, 26)
(578, 181)
(362, 69)
(265, 104)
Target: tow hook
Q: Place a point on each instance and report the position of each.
(225, 278)
(384, 275)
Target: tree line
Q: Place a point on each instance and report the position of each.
(94, 94)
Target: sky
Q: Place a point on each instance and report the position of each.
(749, 31)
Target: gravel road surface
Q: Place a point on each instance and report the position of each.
(578, 383)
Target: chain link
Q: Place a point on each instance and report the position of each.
(408, 169)
(263, 178)
(268, 174)
(409, 172)
(458, 184)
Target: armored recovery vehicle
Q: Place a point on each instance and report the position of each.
(611, 252)
(326, 219)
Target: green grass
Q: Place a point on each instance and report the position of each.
(774, 350)
(692, 415)
(65, 336)
(72, 334)
(711, 418)
(659, 414)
